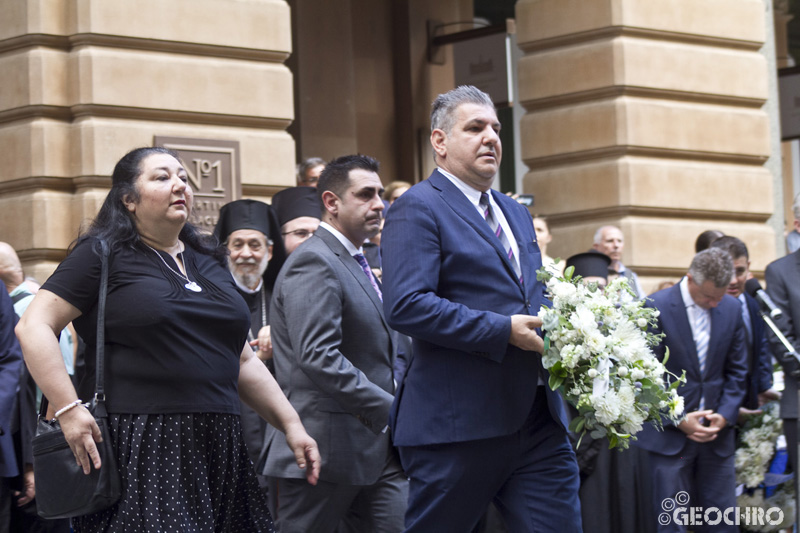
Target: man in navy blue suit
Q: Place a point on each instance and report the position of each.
(473, 419)
(10, 363)
(706, 337)
(759, 356)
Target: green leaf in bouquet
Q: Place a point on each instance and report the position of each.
(569, 272)
(577, 424)
(598, 433)
(546, 343)
(558, 370)
(666, 356)
(555, 381)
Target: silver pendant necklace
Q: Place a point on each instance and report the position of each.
(191, 285)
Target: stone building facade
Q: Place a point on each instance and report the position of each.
(650, 114)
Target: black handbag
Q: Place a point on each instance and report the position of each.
(62, 489)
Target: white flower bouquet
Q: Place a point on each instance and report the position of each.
(598, 350)
(756, 445)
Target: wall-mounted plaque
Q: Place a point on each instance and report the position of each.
(214, 174)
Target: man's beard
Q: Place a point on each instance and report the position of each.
(248, 277)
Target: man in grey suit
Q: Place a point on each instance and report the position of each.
(333, 355)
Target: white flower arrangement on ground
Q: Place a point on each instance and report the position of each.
(598, 350)
(756, 445)
(755, 449)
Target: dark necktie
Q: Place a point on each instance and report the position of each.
(368, 271)
(494, 224)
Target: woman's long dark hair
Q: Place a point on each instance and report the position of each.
(116, 225)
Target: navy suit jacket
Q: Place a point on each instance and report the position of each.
(448, 284)
(10, 367)
(723, 383)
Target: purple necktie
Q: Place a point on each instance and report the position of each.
(368, 271)
(498, 231)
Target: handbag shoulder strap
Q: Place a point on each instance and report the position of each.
(19, 296)
(99, 393)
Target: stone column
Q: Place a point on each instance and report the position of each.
(647, 114)
(87, 80)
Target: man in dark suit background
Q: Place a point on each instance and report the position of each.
(705, 336)
(783, 286)
(759, 356)
(333, 355)
(474, 421)
(10, 367)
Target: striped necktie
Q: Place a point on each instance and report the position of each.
(702, 334)
(368, 271)
(498, 231)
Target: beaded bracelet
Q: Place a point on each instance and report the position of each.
(67, 408)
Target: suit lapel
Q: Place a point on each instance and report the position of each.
(352, 266)
(684, 333)
(517, 232)
(461, 206)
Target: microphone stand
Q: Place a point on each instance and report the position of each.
(790, 361)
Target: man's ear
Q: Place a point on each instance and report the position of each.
(331, 202)
(269, 253)
(439, 142)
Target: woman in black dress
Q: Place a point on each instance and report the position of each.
(176, 355)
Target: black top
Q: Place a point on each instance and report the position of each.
(168, 349)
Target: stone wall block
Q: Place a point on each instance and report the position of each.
(670, 187)
(115, 77)
(625, 65)
(254, 24)
(540, 21)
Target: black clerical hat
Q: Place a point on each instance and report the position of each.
(590, 264)
(246, 214)
(296, 202)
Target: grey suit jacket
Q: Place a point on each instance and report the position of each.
(783, 285)
(333, 355)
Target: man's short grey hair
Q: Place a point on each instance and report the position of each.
(443, 110)
(598, 235)
(714, 265)
(796, 207)
(307, 165)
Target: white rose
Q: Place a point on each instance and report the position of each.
(563, 290)
(622, 371)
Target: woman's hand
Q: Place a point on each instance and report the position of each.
(81, 431)
(305, 451)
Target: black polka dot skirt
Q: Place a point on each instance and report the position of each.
(183, 473)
